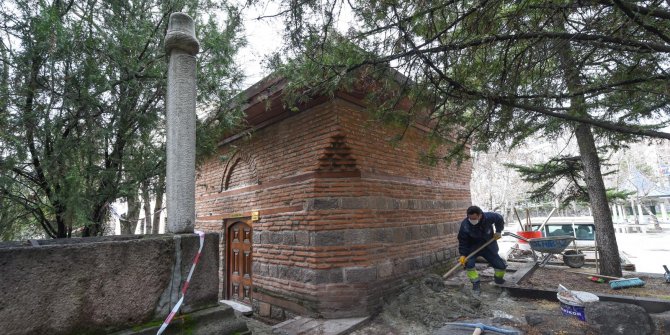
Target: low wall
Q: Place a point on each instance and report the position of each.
(99, 285)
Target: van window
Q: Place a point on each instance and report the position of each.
(585, 232)
(559, 230)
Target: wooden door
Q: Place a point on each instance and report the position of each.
(239, 262)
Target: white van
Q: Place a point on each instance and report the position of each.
(581, 228)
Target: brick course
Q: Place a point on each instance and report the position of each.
(346, 215)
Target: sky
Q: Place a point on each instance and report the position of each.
(263, 37)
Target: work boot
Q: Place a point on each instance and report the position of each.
(499, 280)
(476, 288)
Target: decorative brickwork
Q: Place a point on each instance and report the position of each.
(336, 156)
(346, 216)
(239, 171)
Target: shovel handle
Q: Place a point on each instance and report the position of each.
(468, 257)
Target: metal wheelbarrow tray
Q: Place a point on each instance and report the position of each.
(547, 245)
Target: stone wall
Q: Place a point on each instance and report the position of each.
(99, 285)
(346, 216)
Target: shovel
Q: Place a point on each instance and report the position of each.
(468, 257)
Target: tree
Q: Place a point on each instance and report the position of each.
(498, 72)
(82, 87)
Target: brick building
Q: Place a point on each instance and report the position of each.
(320, 213)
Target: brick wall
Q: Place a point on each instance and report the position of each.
(346, 215)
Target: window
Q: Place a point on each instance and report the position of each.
(559, 230)
(585, 232)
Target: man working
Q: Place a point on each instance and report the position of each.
(476, 230)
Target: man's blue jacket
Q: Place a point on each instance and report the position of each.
(471, 237)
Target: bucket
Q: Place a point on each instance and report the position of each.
(528, 235)
(572, 308)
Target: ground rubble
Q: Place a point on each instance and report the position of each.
(430, 306)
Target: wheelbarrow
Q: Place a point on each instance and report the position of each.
(551, 246)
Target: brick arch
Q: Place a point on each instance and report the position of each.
(240, 170)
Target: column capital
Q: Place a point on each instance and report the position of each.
(181, 34)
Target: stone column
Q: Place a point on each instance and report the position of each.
(664, 215)
(181, 47)
(640, 213)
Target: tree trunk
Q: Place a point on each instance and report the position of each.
(146, 203)
(652, 216)
(610, 262)
(128, 225)
(158, 206)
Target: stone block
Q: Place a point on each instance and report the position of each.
(381, 235)
(618, 318)
(256, 237)
(275, 237)
(385, 269)
(400, 234)
(273, 270)
(356, 236)
(415, 233)
(412, 204)
(355, 203)
(301, 238)
(440, 229)
(307, 276)
(288, 238)
(329, 276)
(328, 238)
(662, 321)
(294, 273)
(360, 275)
(425, 261)
(325, 203)
(264, 309)
(265, 236)
(414, 263)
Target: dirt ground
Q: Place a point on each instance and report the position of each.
(549, 278)
(425, 307)
(430, 303)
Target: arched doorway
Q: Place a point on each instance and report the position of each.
(239, 261)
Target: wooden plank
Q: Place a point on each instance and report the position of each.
(521, 273)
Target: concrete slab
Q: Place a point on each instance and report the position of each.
(242, 308)
(304, 325)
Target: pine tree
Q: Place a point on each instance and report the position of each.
(82, 97)
(498, 72)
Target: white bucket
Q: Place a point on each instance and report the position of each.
(574, 308)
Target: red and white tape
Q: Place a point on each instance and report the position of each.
(185, 285)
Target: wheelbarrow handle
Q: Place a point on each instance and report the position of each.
(515, 235)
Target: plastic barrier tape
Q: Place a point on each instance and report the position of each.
(185, 285)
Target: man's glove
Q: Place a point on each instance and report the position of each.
(497, 236)
(462, 260)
